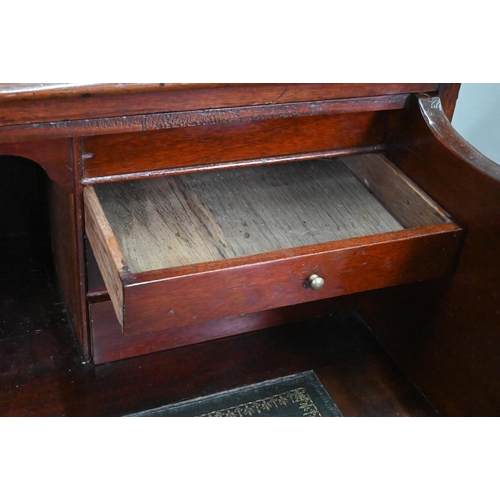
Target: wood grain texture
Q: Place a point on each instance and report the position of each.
(33, 91)
(44, 375)
(24, 105)
(450, 347)
(390, 392)
(448, 94)
(64, 249)
(80, 254)
(208, 144)
(155, 301)
(218, 244)
(189, 219)
(55, 156)
(441, 128)
(227, 165)
(106, 249)
(109, 343)
(402, 197)
(180, 119)
(95, 283)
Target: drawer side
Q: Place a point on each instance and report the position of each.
(107, 252)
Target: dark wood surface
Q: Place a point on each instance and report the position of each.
(26, 269)
(448, 94)
(154, 301)
(192, 249)
(109, 343)
(43, 374)
(228, 142)
(65, 243)
(55, 156)
(42, 371)
(444, 332)
(21, 105)
(228, 165)
(261, 92)
(180, 119)
(450, 344)
(30, 302)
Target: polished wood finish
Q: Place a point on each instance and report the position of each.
(111, 345)
(450, 345)
(247, 140)
(180, 119)
(44, 375)
(154, 301)
(382, 384)
(261, 92)
(65, 254)
(55, 156)
(22, 105)
(443, 331)
(227, 165)
(448, 95)
(184, 250)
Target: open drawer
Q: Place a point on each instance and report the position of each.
(186, 249)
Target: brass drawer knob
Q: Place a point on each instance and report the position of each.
(316, 282)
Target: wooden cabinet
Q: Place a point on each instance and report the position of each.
(180, 250)
(185, 213)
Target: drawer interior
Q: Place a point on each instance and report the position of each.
(151, 230)
(208, 216)
(188, 219)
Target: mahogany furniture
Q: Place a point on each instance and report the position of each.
(183, 215)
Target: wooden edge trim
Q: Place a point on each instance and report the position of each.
(36, 91)
(33, 91)
(403, 198)
(106, 250)
(179, 119)
(448, 93)
(98, 296)
(134, 279)
(435, 118)
(165, 172)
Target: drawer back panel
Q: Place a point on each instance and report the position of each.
(130, 153)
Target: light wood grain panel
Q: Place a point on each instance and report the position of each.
(402, 197)
(106, 249)
(161, 223)
(288, 206)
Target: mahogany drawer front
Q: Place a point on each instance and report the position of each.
(210, 256)
(239, 140)
(367, 265)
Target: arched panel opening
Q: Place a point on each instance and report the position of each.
(30, 299)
